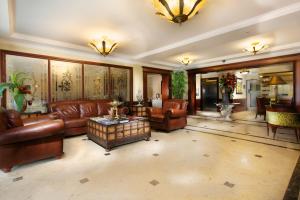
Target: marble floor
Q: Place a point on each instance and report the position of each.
(183, 164)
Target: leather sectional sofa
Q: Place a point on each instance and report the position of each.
(172, 116)
(75, 113)
(25, 141)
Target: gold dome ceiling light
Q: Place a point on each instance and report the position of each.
(104, 46)
(177, 11)
(186, 61)
(255, 47)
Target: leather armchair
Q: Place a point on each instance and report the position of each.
(28, 140)
(172, 116)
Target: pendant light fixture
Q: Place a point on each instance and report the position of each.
(103, 46)
(177, 11)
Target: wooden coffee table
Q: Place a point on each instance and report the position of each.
(113, 135)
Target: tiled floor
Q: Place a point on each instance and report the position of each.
(179, 165)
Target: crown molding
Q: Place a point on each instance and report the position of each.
(226, 29)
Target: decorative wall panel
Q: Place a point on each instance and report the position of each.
(120, 83)
(37, 70)
(96, 82)
(66, 80)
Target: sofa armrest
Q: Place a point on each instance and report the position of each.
(39, 119)
(176, 113)
(32, 132)
(153, 111)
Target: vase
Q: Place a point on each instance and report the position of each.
(226, 96)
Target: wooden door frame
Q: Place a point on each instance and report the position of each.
(166, 76)
(294, 58)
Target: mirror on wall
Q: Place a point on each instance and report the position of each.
(96, 82)
(120, 83)
(66, 80)
(37, 70)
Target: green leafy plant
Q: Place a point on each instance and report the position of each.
(179, 82)
(16, 87)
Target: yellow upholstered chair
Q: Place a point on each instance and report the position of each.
(283, 119)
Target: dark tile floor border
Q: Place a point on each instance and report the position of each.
(217, 134)
(293, 190)
(247, 134)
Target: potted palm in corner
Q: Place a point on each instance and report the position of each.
(17, 89)
(179, 81)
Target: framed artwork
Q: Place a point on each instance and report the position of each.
(239, 86)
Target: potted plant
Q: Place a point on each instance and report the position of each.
(17, 89)
(179, 82)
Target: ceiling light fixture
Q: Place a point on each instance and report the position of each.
(177, 11)
(104, 46)
(255, 47)
(186, 61)
(244, 71)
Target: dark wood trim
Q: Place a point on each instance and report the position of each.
(82, 74)
(3, 54)
(250, 64)
(294, 58)
(17, 53)
(156, 70)
(192, 93)
(297, 85)
(49, 81)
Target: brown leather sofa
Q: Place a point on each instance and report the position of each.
(171, 117)
(75, 113)
(24, 141)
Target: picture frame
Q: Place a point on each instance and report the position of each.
(239, 86)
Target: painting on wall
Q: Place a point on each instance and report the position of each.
(239, 86)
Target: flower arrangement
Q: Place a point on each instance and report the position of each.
(227, 84)
(17, 88)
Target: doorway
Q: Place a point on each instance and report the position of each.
(209, 93)
(253, 91)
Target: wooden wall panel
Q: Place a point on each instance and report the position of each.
(297, 84)
(192, 93)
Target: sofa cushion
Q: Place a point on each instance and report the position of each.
(88, 109)
(75, 123)
(170, 105)
(13, 119)
(68, 111)
(103, 108)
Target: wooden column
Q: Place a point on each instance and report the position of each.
(165, 92)
(297, 84)
(192, 93)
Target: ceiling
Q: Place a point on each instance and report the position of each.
(218, 33)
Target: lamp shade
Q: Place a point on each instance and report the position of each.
(277, 80)
(104, 46)
(177, 11)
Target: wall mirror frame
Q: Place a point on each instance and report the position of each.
(81, 63)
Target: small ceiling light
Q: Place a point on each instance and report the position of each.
(104, 46)
(177, 11)
(186, 61)
(244, 71)
(255, 47)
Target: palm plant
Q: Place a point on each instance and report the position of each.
(178, 84)
(16, 87)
